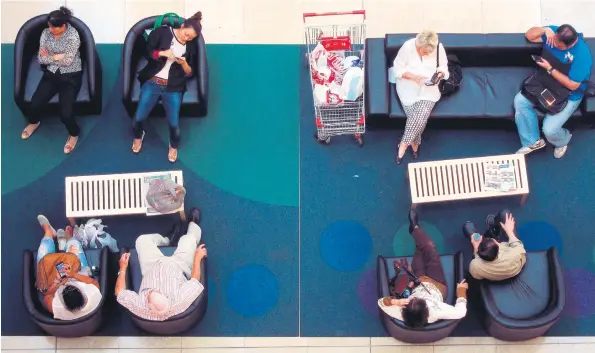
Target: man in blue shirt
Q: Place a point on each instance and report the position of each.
(568, 47)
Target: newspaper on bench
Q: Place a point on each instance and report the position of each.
(163, 195)
(499, 177)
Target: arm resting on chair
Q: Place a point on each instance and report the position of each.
(376, 78)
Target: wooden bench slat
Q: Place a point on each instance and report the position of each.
(459, 179)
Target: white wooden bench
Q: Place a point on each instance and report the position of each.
(111, 194)
(461, 179)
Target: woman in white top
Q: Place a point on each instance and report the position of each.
(414, 66)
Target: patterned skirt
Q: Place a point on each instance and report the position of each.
(417, 118)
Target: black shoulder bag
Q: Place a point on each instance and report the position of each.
(455, 74)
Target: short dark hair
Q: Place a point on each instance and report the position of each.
(416, 313)
(488, 249)
(73, 298)
(60, 17)
(567, 34)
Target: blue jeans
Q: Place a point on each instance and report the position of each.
(73, 246)
(527, 123)
(150, 93)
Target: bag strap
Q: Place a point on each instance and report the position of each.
(438, 56)
(590, 90)
(173, 17)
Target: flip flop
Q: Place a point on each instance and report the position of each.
(69, 147)
(140, 146)
(172, 156)
(28, 132)
(44, 220)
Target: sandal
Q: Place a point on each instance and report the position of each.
(136, 149)
(172, 156)
(70, 145)
(29, 130)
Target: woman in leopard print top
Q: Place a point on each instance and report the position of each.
(60, 59)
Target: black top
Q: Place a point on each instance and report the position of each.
(161, 39)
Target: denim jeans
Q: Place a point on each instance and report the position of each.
(172, 101)
(73, 246)
(528, 125)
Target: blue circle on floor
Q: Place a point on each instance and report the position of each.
(252, 290)
(537, 236)
(345, 245)
(404, 245)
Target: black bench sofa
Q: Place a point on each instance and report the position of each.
(28, 71)
(494, 67)
(134, 59)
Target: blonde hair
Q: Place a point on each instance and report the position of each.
(427, 39)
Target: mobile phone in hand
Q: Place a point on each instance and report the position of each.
(536, 58)
(432, 81)
(61, 270)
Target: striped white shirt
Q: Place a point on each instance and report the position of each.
(167, 278)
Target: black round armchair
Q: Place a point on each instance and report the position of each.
(84, 326)
(28, 71)
(453, 272)
(528, 305)
(175, 324)
(134, 58)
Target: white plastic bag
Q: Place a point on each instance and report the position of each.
(353, 84)
(92, 235)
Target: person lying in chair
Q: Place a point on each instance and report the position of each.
(170, 284)
(64, 278)
(495, 260)
(426, 303)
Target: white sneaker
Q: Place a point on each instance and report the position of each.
(560, 151)
(534, 147)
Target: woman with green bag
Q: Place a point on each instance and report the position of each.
(171, 52)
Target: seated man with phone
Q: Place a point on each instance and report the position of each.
(419, 298)
(494, 259)
(556, 89)
(64, 278)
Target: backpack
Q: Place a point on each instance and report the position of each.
(455, 74)
(174, 21)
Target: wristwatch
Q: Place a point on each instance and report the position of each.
(550, 71)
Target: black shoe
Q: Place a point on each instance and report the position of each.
(194, 215)
(413, 220)
(501, 218)
(399, 160)
(469, 229)
(491, 228)
(174, 234)
(415, 154)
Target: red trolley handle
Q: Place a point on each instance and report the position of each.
(315, 14)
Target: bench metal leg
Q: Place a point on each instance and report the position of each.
(524, 199)
(72, 222)
(413, 206)
(183, 216)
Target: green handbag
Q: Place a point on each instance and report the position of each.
(174, 20)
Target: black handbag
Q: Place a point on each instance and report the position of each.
(455, 74)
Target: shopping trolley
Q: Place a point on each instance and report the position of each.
(339, 117)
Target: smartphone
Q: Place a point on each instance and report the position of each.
(548, 96)
(61, 270)
(432, 81)
(536, 58)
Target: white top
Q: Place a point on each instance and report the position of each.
(178, 49)
(408, 60)
(438, 310)
(90, 292)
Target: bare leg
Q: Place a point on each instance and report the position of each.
(183, 216)
(402, 149)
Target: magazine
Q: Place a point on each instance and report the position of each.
(145, 188)
(499, 177)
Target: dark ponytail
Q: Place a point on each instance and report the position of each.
(60, 17)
